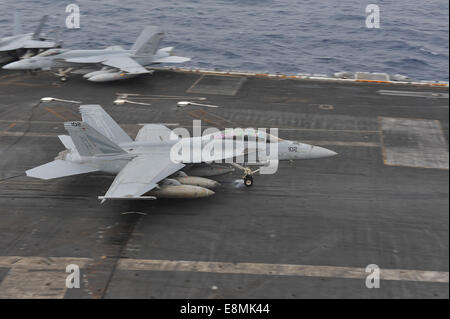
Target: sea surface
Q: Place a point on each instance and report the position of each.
(289, 37)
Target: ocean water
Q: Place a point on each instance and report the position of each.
(283, 36)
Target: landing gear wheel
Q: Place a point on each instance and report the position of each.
(248, 181)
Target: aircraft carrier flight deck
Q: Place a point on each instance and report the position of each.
(308, 231)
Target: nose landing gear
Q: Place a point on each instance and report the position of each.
(248, 174)
(248, 180)
(62, 74)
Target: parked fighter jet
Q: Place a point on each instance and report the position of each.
(146, 165)
(115, 62)
(23, 45)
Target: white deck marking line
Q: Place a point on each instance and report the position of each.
(23, 121)
(196, 82)
(157, 96)
(28, 134)
(45, 277)
(341, 143)
(437, 95)
(326, 130)
(280, 270)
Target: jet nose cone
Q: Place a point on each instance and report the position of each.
(320, 152)
(8, 66)
(13, 66)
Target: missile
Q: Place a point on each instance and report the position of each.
(210, 170)
(107, 76)
(197, 181)
(181, 191)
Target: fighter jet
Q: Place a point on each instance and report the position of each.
(146, 167)
(115, 62)
(23, 45)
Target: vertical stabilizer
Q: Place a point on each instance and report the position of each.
(148, 41)
(89, 142)
(96, 116)
(39, 28)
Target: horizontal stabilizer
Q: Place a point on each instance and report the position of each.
(172, 59)
(167, 50)
(59, 168)
(115, 47)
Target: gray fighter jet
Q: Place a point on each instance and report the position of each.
(115, 63)
(23, 45)
(147, 165)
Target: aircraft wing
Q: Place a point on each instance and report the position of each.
(86, 60)
(141, 175)
(33, 44)
(171, 59)
(154, 133)
(126, 64)
(121, 62)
